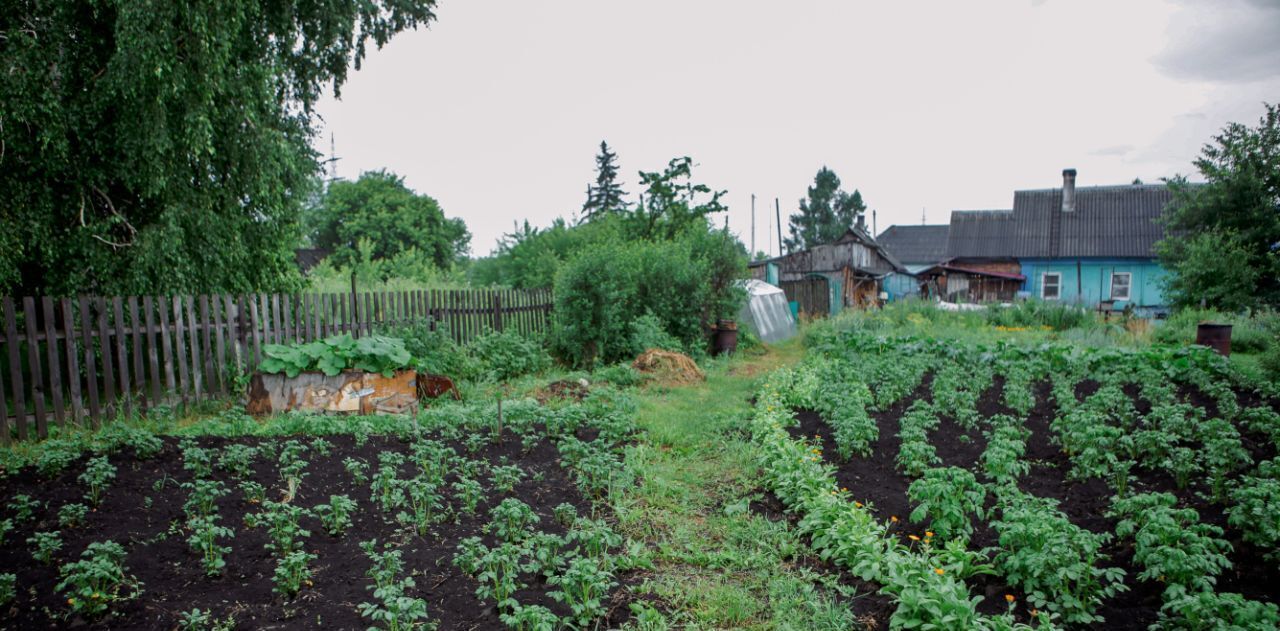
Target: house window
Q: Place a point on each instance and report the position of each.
(1051, 286)
(1120, 285)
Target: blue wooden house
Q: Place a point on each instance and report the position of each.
(1091, 246)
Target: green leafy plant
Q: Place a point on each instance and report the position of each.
(205, 533)
(98, 580)
(565, 514)
(1255, 512)
(1056, 563)
(336, 515)
(72, 515)
(283, 528)
(424, 502)
(97, 476)
(332, 355)
(203, 496)
(531, 618)
(505, 477)
(357, 469)
(293, 570)
(583, 586)
(511, 520)
(238, 460)
(24, 507)
(946, 497)
(1197, 611)
(394, 608)
(254, 493)
(1171, 544)
(8, 588)
(44, 545)
(196, 459)
(469, 493)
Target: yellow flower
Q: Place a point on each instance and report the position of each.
(1008, 598)
(71, 601)
(97, 595)
(858, 504)
(939, 571)
(1035, 612)
(913, 537)
(893, 518)
(928, 533)
(844, 489)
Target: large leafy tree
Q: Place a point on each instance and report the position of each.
(672, 202)
(164, 146)
(379, 218)
(605, 196)
(825, 214)
(1223, 246)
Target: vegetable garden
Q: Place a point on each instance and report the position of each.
(996, 486)
(467, 516)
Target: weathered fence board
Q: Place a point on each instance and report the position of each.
(79, 361)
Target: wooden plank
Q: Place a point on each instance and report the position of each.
(234, 309)
(193, 341)
(286, 319)
(206, 347)
(122, 356)
(220, 344)
(90, 363)
(256, 331)
(137, 332)
(343, 324)
(17, 387)
(55, 370)
(318, 302)
(75, 402)
(180, 350)
(166, 346)
(38, 381)
(262, 319)
(153, 359)
(366, 314)
(275, 320)
(108, 367)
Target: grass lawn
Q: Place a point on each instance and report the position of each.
(718, 563)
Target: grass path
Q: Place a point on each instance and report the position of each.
(718, 564)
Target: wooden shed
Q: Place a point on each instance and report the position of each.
(848, 272)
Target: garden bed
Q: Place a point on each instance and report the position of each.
(467, 488)
(875, 477)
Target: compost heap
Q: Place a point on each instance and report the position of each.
(668, 367)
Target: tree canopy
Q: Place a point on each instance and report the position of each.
(825, 214)
(380, 215)
(1224, 235)
(605, 196)
(157, 147)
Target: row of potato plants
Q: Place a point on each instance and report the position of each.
(1056, 563)
(926, 580)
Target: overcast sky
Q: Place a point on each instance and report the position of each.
(497, 110)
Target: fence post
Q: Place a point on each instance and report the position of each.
(497, 311)
(355, 308)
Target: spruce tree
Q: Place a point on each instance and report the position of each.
(825, 213)
(605, 196)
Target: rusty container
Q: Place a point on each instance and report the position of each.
(1215, 336)
(725, 338)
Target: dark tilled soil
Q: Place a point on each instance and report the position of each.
(876, 482)
(148, 523)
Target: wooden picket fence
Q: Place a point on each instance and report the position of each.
(87, 359)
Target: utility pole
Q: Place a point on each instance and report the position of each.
(777, 209)
(922, 219)
(753, 225)
(873, 223)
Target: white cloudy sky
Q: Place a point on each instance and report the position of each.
(498, 108)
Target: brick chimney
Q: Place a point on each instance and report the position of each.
(1068, 190)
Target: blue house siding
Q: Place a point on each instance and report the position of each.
(1087, 281)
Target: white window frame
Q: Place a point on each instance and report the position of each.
(1128, 286)
(1044, 278)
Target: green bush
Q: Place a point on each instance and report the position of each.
(508, 355)
(1249, 334)
(684, 284)
(1036, 313)
(435, 351)
(647, 332)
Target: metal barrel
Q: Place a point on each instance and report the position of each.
(1215, 336)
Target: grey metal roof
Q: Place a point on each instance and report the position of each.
(916, 244)
(1108, 221)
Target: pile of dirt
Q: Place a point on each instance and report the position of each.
(563, 389)
(668, 368)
